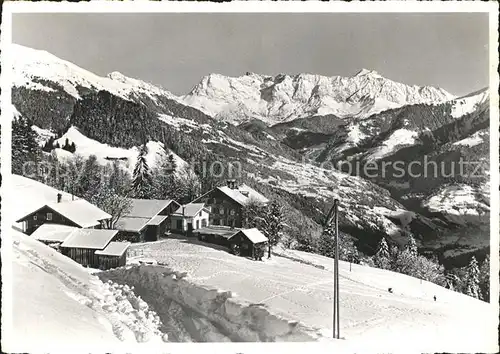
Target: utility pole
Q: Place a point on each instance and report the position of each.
(336, 268)
(333, 217)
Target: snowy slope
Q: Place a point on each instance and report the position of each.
(468, 104)
(371, 317)
(460, 201)
(283, 98)
(32, 67)
(86, 147)
(399, 138)
(57, 304)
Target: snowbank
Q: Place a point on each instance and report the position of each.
(57, 304)
(206, 314)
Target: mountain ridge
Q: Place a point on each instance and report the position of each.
(286, 97)
(121, 111)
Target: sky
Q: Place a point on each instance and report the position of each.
(176, 51)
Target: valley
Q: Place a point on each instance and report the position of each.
(288, 133)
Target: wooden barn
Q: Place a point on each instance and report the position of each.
(226, 203)
(53, 234)
(246, 242)
(148, 220)
(82, 244)
(189, 218)
(219, 235)
(76, 213)
(113, 256)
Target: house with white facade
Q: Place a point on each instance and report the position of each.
(189, 217)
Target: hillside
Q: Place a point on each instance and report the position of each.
(114, 115)
(433, 159)
(284, 298)
(104, 120)
(281, 288)
(73, 305)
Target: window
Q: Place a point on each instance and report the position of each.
(232, 212)
(35, 217)
(197, 224)
(221, 210)
(216, 210)
(221, 222)
(49, 216)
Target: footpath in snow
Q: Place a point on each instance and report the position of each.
(58, 304)
(285, 299)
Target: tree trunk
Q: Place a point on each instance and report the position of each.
(269, 251)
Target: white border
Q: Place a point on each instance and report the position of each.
(251, 6)
(255, 7)
(6, 111)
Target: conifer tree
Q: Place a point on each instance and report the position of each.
(90, 179)
(382, 257)
(142, 181)
(49, 145)
(484, 279)
(25, 148)
(251, 212)
(411, 246)
(272, 224)
(172, 163)
(473, 279)
(166, 184)
(326, 243)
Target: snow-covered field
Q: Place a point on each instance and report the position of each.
(460, 201)
(400, 137)
(86, 147)
(74, 304)
(479, 137)
(465, 105)
(371, 317)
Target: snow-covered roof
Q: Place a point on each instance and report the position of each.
(114, 249)
(242, 194)
(157, 220)
(53, 232)
(131, 223)
(224, 231)
(147, 208)
(89, 238)
(190, 210)
(79, 211)
(254, 235)
(252, 193)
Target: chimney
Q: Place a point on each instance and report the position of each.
(231, 183)
(59, 197)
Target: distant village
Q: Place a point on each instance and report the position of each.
(85, 233)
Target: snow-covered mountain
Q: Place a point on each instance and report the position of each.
(40, 70)
(283, 97)
(111, 116)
